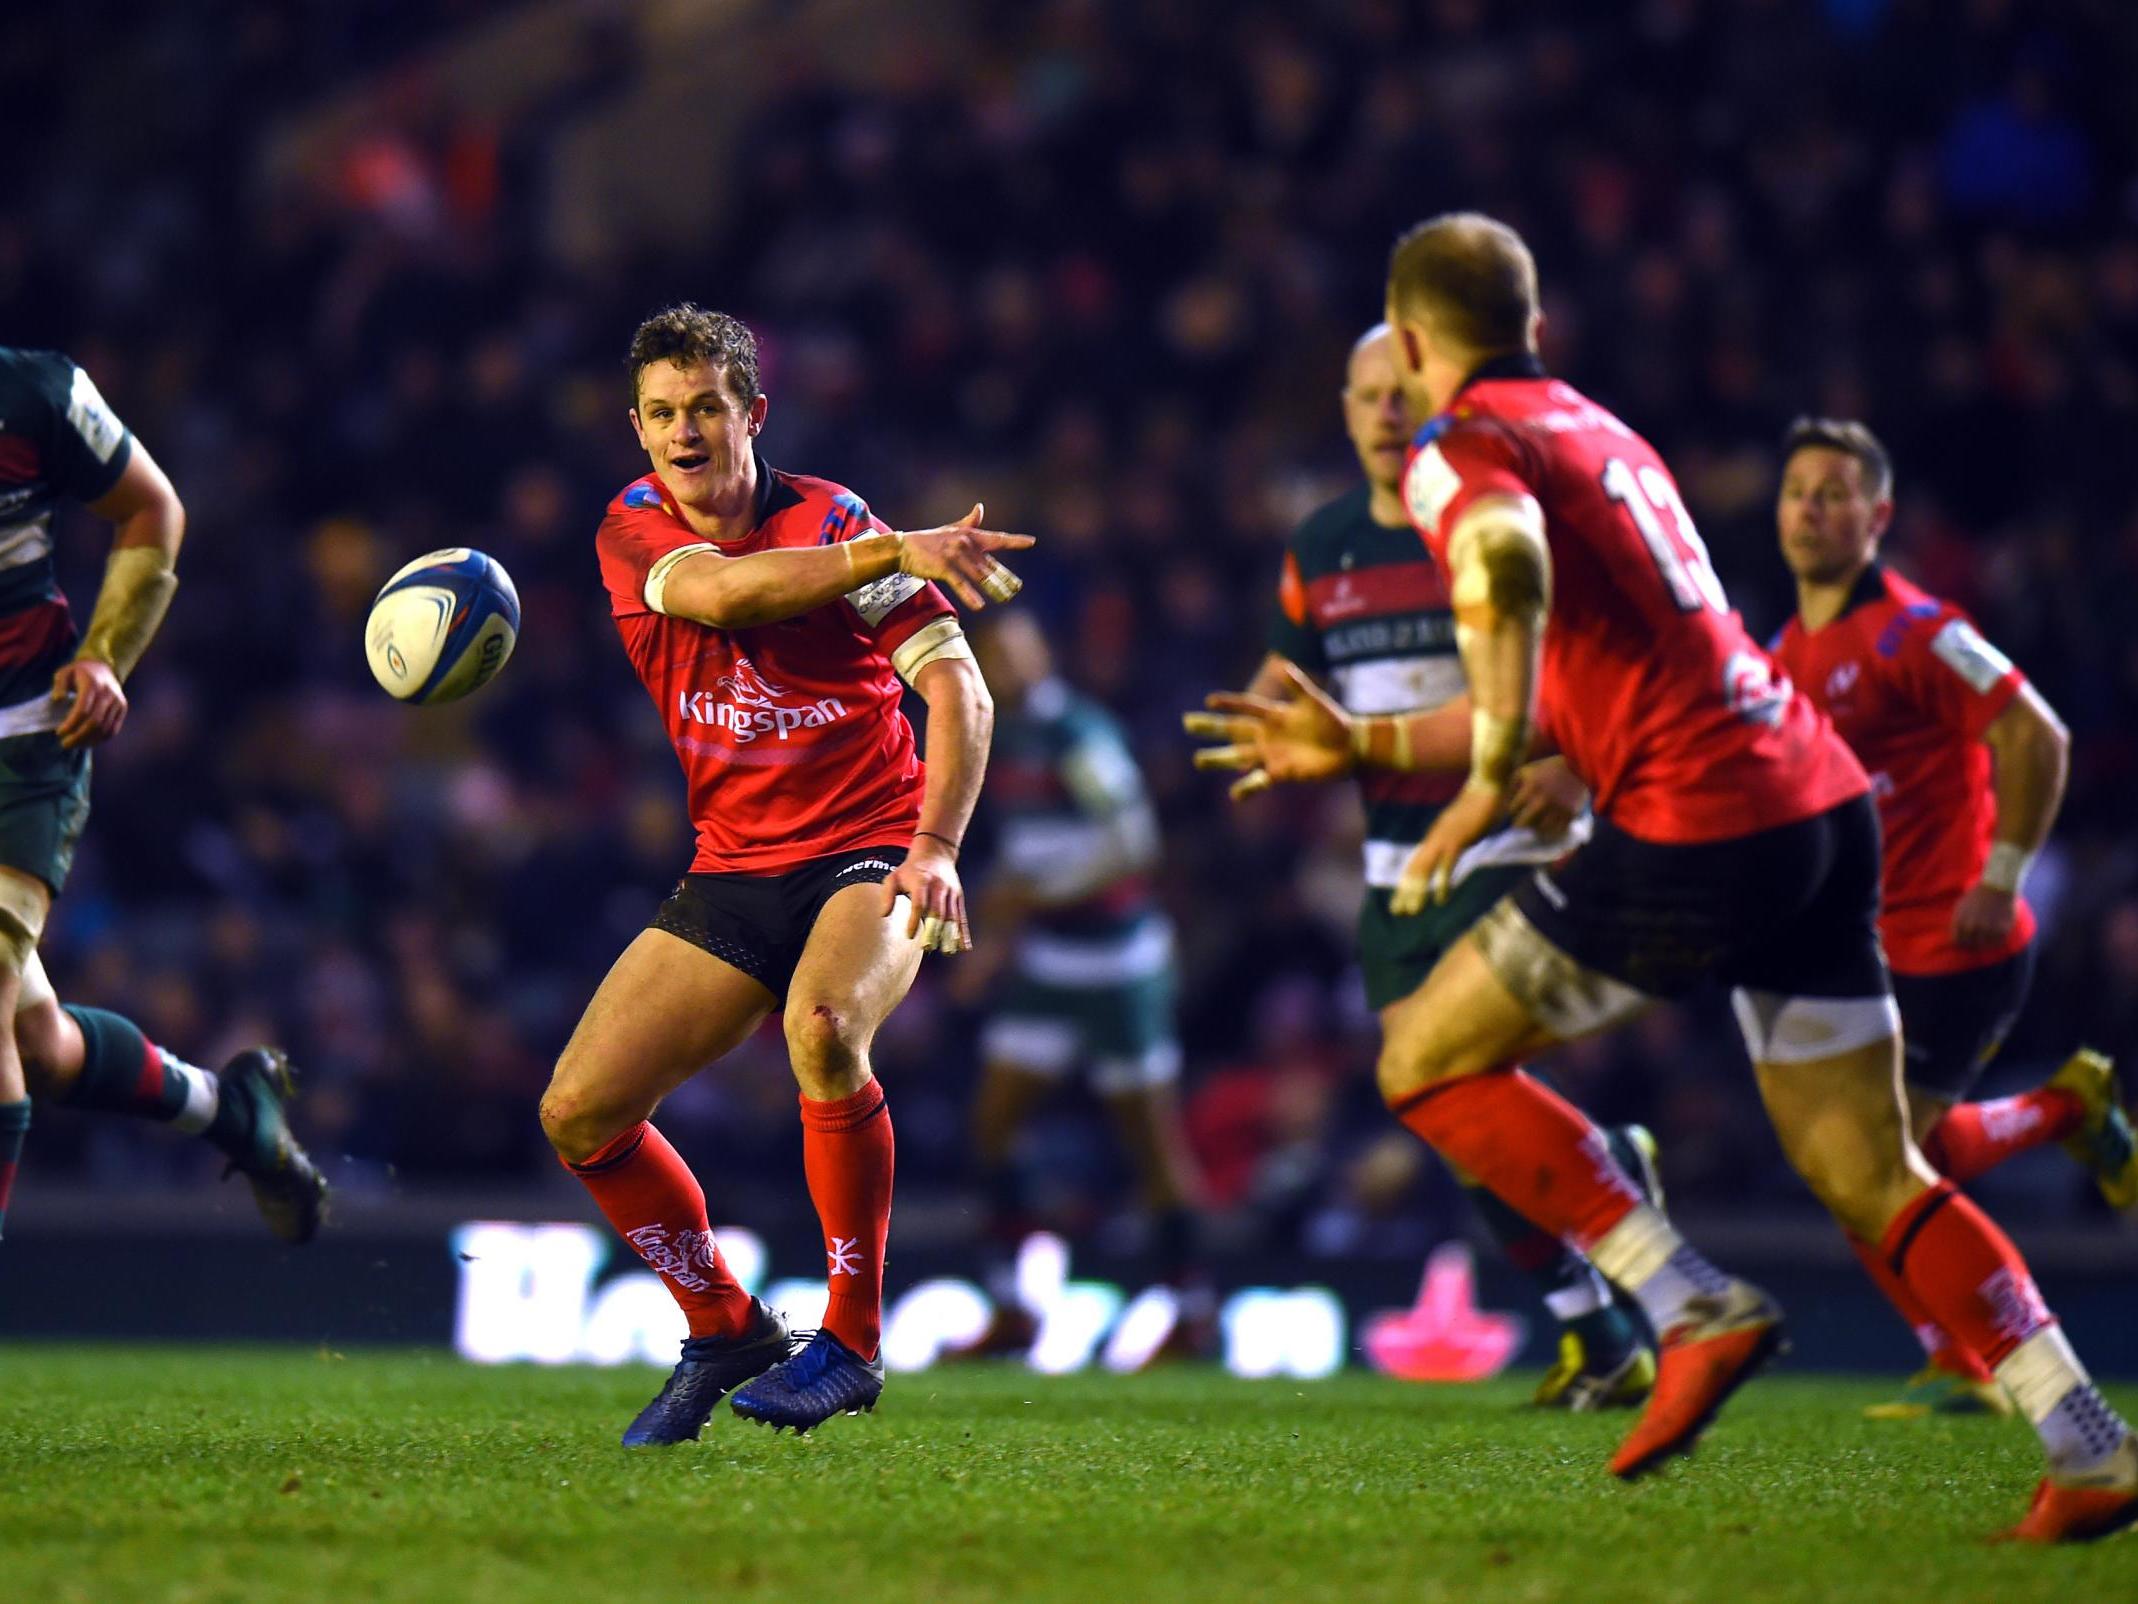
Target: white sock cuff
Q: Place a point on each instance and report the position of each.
(2040, 1371)
(203, 1096)
(1584, 1296)
(1636, 1248)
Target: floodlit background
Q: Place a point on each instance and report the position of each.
(361, 276)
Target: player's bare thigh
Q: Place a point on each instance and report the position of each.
(24, 902)
(856, 967)
(665, 1011)
(1499, 995)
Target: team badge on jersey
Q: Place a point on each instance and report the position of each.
(92, 418)
(1428, 486)
(1960, 646)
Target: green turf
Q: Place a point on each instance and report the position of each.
(130, 1475)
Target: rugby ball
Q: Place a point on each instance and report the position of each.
(442, 626)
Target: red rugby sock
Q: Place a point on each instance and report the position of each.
(1965, 1273)
(1528, 1146)
(1975, 1137)
(1945, 1354)
(847, 1157)
(644, 1189)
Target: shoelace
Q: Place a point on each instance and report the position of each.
(814, 1360)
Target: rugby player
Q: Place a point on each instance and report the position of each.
(1364, 611)
(1967, 764)
(771, 618)
(62, 692)
(1075, 929)
(1735, 840)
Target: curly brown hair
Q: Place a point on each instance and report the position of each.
(686, 334)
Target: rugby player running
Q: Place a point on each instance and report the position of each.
(1967, 765)
(1735, 840)
(62, 692)
(771, 619)
(1364, 609)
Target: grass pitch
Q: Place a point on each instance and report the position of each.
(132, 1475)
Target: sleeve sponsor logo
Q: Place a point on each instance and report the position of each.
(642, 496)
(1960, 646)
(848, 515)
(1429, 484)
(92, 419)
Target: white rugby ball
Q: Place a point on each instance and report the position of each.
(442, 626)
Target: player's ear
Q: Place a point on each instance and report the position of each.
(1881, 518)
(637, 428)
(758, 408)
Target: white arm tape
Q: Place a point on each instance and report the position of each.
(2006, 867)
(657, 577)
(939, 642)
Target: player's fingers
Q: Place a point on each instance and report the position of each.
(1003, 540)
(964, 592)
(1000, 584)
(928, 933)
(1250, 784)
(1408, 898)
(964, 926)
(1443, 879)
(1214, 726)
(1242, 705)
(1227, 757)
(80, 719)
(972, 519)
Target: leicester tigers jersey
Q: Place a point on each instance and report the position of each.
(1364, 609)
(1062, 787)
(58, 441)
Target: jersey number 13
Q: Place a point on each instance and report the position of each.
(1680, 554)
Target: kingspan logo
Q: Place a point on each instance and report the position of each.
(747, 706)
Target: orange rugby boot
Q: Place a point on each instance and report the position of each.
(2083, 1509)
(1719, 1346)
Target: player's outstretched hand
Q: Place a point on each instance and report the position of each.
(960, 555)
(1546, 797)
(935, 897)
(95, 702)
(1429, 875)
(1298, 738)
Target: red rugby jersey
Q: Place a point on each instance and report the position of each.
(1666, 708)
(790, 734)
(1911, 686)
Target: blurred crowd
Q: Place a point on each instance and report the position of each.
(1100, 264)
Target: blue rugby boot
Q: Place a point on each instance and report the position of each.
(826, 1378)
(710, 1368)
(252, 1128)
